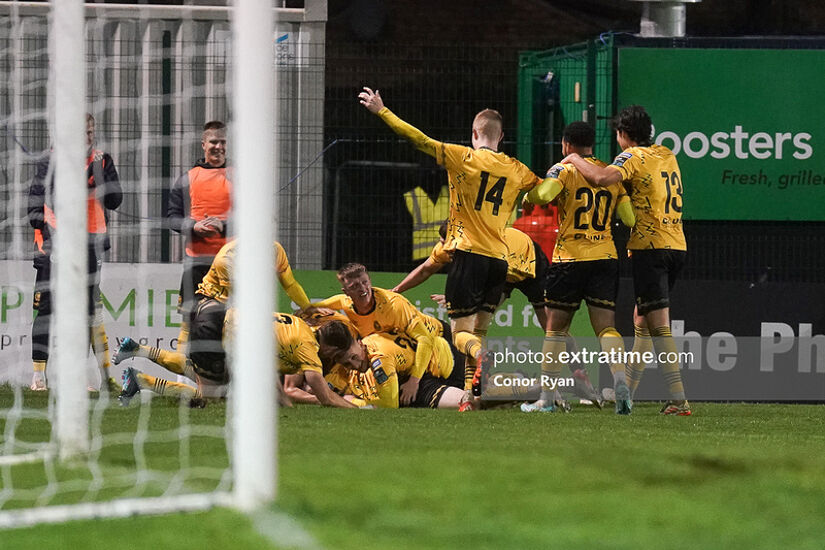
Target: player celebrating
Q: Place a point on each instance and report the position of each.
(585, 263)
(484, 184)
(657, 243)
(297, 350)
(372, 309)
(380, 360)
(216, 284)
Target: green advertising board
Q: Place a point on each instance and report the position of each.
(747, 127)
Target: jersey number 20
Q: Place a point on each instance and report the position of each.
(599, 203)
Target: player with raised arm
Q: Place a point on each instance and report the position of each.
(657, 243)
(484, 185)
(585, 263)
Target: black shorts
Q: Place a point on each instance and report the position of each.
(42, 300)
(595, 281)
(431, 388)
(475, 283)
(195, 269)
(654, 273)
(205, 348)
(534, 288)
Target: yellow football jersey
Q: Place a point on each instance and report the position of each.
(362, 385)
(440, 256)
(656, 195)
(217, 283)
(521, 255)
(484, 185)
(296, 345)
(585, 215)
(392, 313)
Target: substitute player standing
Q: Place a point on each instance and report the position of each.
(657, 243)
(484, 184)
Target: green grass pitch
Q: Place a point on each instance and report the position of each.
(731, 476)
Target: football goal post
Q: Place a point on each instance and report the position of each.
(150, 77)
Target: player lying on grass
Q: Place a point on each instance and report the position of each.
(371, 369)
(216, 285)
(371, 309)
(211, 334)
(484, 185)
(585, 263)
(527, 269)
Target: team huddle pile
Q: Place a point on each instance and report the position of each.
(370, 347)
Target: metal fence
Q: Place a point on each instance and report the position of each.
(155, 75)
(349, 189)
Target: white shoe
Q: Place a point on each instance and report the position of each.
(608, 394)
(38, 382)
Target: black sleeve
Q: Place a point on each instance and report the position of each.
(112, 191)
(37, 195)
(176, 214)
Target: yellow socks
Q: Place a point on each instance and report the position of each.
(641, 344)
(668, 357)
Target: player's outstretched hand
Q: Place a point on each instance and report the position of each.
(439, 299)
(371, 100)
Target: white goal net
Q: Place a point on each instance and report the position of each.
(152, 76)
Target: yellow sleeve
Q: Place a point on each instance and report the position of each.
(528, 179)
(439, 255)
(293, 288)
(408, 317)
(627, 164)
(545, 192)
(306, 358)
(386, 384)
(412, 134)
(337, 302)
(625, 211)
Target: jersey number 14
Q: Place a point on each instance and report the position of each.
(495, 195)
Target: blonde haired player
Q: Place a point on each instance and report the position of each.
(657, 243)
(484, 185)
(372, 309)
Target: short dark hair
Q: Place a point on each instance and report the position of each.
(636, 123)
(351, 270)
(579, 134)
(334, 338)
